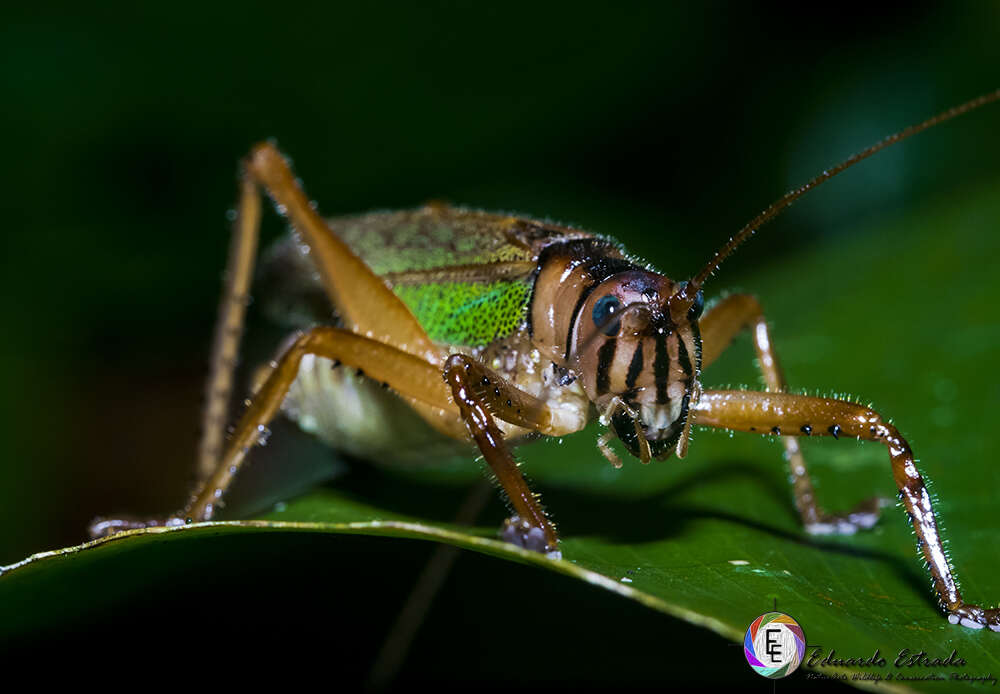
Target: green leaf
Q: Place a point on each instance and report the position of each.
(903, 313)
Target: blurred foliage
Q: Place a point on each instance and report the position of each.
(665, 125)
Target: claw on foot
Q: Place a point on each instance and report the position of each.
(975, 617)
(522, 534)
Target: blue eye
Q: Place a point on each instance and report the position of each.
(604, 309)
(694, 313)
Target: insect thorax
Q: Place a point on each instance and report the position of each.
(516, 294)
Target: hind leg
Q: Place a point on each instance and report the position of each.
(408, 375)
(366, 304)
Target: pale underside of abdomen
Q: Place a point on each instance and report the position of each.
(356, 415)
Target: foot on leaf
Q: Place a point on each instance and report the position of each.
(862, 517)
(975, 617)
(527, 536)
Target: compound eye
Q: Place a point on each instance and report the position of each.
(694, 313)
(604, 310)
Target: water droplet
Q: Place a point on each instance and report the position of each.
(263, 434)
(231, 215)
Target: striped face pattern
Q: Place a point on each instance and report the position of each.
(609, 322)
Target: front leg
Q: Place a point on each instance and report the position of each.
(479, 394)
(782, 412)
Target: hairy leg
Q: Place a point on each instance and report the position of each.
(765, 413)
(719, 326)
(408, 375)
(481, 394)
(366, 304)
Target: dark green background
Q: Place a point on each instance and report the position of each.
(665, 125)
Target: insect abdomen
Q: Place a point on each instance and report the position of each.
(358, 416)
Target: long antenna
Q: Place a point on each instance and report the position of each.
(691, 290)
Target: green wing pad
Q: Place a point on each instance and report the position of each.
(472, 314)
(426, 239)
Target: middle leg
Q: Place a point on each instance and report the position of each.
(719, 326)
(410, 376)
(476, 396)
